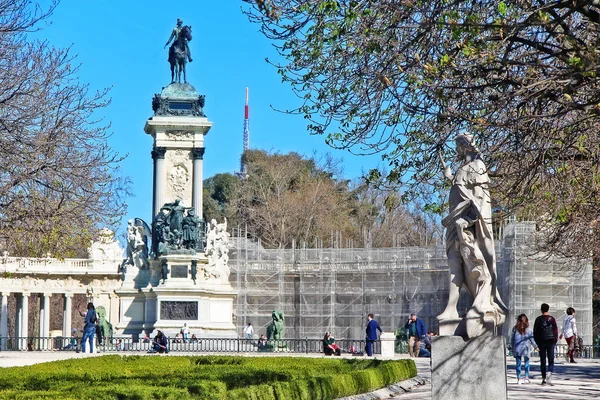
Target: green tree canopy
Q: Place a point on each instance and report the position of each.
(403, 77)
(288, 197)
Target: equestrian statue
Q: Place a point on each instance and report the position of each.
(179, 52)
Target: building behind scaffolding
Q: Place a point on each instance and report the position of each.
(333, 289)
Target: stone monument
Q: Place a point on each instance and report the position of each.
(186, 281)
(468, 359)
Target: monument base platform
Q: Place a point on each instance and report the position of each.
(472, 369)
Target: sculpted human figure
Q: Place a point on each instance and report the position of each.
(175, 217)
(175, 33)
(276, 330)
(179, 52)
(190, 229)
(470, 242)
(158, 226)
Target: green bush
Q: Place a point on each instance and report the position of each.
(201, 377)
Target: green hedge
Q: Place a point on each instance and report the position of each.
(201, 377)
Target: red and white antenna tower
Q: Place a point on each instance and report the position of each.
(246, 136)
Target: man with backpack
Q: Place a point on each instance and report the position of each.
(545, 334)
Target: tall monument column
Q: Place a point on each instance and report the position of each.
(197, 187)
(158, 155)
(178, 127)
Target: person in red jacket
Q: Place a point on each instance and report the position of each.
(545, 334)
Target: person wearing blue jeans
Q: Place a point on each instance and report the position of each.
(89, 330)
(160, 343)
(372, 327)
(521, 338)
(545, 333)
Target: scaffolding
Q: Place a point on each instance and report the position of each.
(333, 289)
(531, 280)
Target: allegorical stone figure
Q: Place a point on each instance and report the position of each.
(470, 242)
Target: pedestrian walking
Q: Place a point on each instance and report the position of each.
(416, 333)
(521, 338)
(569, 331)
(372, 328)
(545, 334)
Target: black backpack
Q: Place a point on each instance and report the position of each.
(547, 329)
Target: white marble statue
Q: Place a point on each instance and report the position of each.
(217, 250)
(106, 247)
(470, 242)
(137, 249)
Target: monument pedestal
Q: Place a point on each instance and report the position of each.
(468, 369)
(186, 296)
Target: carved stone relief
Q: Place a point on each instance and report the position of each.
(179, 175)
(179, 135)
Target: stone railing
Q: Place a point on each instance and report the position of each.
(68, 266)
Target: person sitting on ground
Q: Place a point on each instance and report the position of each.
(160, 343)
(329, 346)
(262, 343)
(425, 345)
(73, 342)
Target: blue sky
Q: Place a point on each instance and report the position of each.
(119, 44)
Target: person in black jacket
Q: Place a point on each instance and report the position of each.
(545, 334)
(160, 343)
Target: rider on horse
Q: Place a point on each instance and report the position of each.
(175, 36)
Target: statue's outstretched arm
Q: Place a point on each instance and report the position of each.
(170, 38)
(445, 169)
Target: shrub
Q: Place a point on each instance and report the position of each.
(201, 377)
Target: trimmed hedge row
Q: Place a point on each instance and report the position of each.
(201, 377)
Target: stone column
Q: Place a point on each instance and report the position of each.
(67, 316)
(197, 184)
(18, 320)
(160, 176)
(24, 331)
(4, 320)
(45, 321)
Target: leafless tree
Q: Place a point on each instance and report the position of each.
(59, 179)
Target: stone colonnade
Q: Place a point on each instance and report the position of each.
(22, 320)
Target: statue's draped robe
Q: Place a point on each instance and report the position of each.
(470, 200)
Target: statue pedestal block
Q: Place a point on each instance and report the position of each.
(472, 369)
(205, 305)
(458, 326)
(388, 344)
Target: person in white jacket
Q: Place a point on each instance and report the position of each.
(569, 332)
(248, 331)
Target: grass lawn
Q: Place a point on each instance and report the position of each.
(201, 377)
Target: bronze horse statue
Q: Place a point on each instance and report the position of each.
(178, 53)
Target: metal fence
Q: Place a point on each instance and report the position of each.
(201, 345)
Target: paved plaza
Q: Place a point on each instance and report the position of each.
(572, 381)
